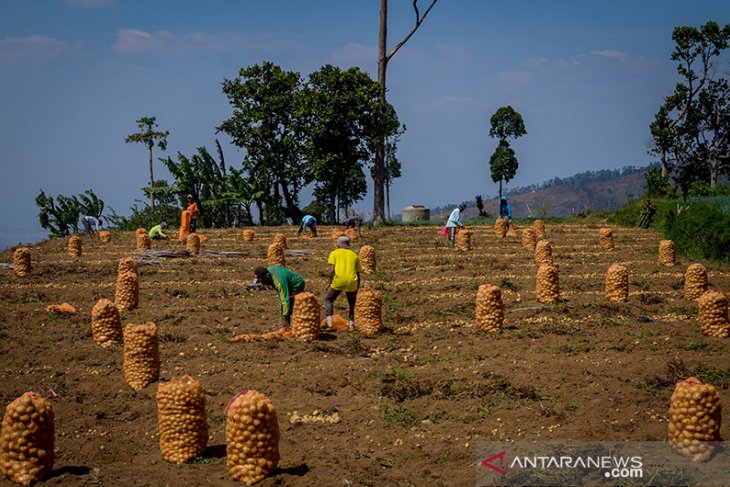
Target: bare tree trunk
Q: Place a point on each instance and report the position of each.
(663, 161)
(500, 190)
(152, 183)
(379, 177)
(713, 173)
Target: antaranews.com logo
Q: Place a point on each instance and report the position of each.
(596, 463)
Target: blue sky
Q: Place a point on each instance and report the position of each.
(587, 77)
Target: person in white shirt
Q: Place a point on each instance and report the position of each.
(453, 222)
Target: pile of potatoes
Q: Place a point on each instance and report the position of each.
(695, 281)
(306, 317)
(489, 308)
(695, 417)
(548, 284)
(106, 325)
(368, 312)
(75, 246)
(275, 254)
(543, 253)
(667, 253)
(192, 244)
(280, 239)
(249, 234)
(21, 262)
(367, 259)
(712, 314)
(528, 239)
(617, 283)
(27, 440)
(252, 438)
(141, 355)
(463, 240)
(181, 419)
(605, 238)
(539, 227)
(142, 239)
(126, 294)
(500, 228)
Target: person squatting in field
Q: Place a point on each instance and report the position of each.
(453, 222)
(354, 222)
(344, 276)
(308, 222)
(156, 232)
(287, 285)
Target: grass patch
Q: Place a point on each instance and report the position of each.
(692, 346)
(399, 415)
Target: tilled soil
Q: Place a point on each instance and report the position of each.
(408, 407)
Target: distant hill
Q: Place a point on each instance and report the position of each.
(594, 190)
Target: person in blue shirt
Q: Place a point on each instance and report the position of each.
(453, 222)
(308, 222)
(505, 210)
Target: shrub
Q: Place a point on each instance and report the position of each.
(701, 231)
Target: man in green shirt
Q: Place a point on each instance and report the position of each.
(156, 232)
(344, 276)
(287, 284)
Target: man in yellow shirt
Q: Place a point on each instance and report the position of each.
(344, 277)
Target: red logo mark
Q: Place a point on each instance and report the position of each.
(488, 462)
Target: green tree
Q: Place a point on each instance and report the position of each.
(696, 51)
(506, 124)
(339, 108)
(713, 127)
(61, 214)
(266, 124)
(148, 136)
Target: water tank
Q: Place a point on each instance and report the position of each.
(415, 213)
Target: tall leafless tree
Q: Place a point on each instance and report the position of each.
(383, 58)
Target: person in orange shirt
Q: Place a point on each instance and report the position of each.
(193, 209)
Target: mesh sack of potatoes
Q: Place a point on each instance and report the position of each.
(192, 244)
(528, 239)
(695, 281)
(547, 287)
(367, 259)
(605, 238)
(511, 230)
(368, 312)
(463, 240)
(27, 439)
(617, 283)
(74, 246)
(280, 239)
(275, 255)
(21, 262)
(667, 253)
(142, 239)
(252, 437)
(489, 307)
(500, 228)
(543, 253)
(539, 227)
(695, 419)
(181, 419)
(127, 264)
(106, 326)
(126, 294)
(105, 236)
(249, 234)
(712, 314)
(336, 233)
(305, 317)
(141, 355)
(351, 234)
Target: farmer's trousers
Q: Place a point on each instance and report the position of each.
(329, 301)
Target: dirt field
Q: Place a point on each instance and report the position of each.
(413, 401)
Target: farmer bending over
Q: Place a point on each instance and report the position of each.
(505, 210)
(344, 277)
(453, 222)
(308, 222)
(354, 222)
(287, 284)
(156, 232)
